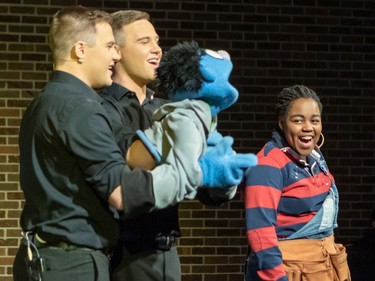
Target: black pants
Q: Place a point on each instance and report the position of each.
(152, 265)
(81, 264)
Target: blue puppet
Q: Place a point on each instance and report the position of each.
(184, 130)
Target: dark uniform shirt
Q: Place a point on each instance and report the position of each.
(126, 114)
(70, 163)
(138, 234)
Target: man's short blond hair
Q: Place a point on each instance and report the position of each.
(123, 18)
(73, 24)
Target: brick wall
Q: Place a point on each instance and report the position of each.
(325, 44)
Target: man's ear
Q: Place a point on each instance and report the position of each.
(80, 50)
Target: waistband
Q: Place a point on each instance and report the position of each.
(308, 247)
(61, 245)
(305, 241)
(161, 242)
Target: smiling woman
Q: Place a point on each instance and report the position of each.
(301, 125)
(291, 199)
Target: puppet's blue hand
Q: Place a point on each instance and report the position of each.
(222, 167)
(214, 138)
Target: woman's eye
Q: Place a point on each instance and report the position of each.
(297, 121)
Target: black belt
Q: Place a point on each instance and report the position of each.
(160, 242)
(165, 242)
(64, 246)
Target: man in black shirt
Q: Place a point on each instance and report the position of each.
(72, 171)
(147, 248)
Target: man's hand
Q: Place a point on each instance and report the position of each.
(222, 167)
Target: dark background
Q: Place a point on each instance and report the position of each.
(326, 45)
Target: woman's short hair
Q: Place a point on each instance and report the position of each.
(287, 95)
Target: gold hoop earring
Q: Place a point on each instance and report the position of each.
(322, 141)
(81, 60)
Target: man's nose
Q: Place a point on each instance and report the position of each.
(156, 48)
(116, 56)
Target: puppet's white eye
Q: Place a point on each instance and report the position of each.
(214, 54)
(222, 55)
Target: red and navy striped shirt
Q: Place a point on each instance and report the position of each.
(282, 194)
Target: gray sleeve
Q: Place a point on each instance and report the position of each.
(180, 139)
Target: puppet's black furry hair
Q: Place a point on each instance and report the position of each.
(179, 69)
